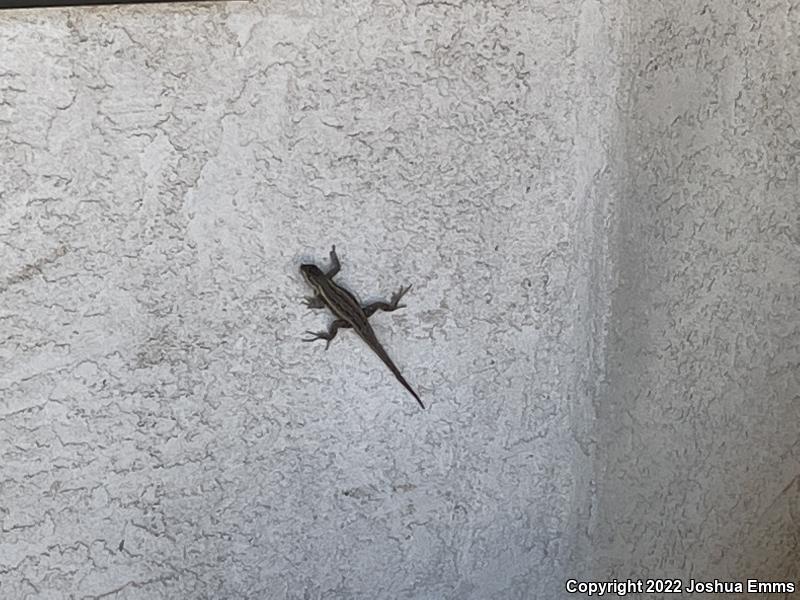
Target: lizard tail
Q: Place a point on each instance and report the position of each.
(396, 372)
(406, 385)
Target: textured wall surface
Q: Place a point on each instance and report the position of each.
(596, 204)
(699, 447)
(164, 433)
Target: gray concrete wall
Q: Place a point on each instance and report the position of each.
(698, 469)
(596, 207)
(166, 170)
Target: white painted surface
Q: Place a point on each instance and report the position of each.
(596, 204)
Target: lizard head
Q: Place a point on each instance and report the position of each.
(312, 273)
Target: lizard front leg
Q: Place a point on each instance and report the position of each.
(393, 304)
(327, 335)
(314, 302)
(335, 266)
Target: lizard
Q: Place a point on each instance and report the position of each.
(349, 312)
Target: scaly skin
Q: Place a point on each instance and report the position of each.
(349, 313)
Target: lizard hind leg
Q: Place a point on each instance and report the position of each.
(327, 335)
(390, 306)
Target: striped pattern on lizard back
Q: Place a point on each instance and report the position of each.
(350, 313)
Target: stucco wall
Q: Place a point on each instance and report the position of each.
(167, 168)
(698, 474)
(595, 202)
